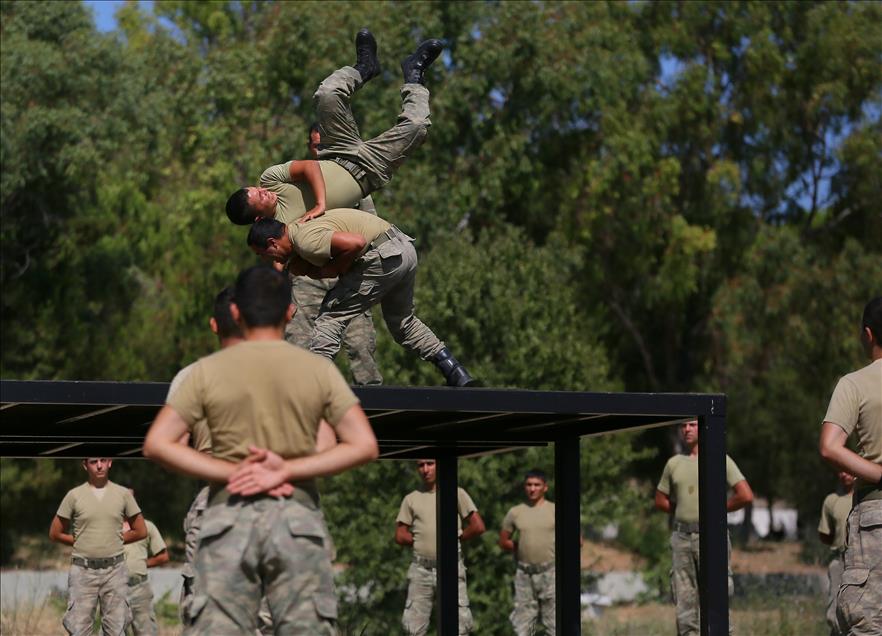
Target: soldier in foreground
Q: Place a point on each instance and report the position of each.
(832, 532)
(677, 494)
(262, 532)
(856, 407)
(141, 555)
(533, 525)
(90, 518)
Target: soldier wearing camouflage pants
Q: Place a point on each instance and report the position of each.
(832, 532)
(140, 555)
(416, 528)
(533, 523)
(856, 407)
(90, 519)
(677, 494)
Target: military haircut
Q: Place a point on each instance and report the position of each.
(538, 473)
(872, 319)
(262, 295)
(315, 127)
(238, 210)
(262, 230)
(226, 326)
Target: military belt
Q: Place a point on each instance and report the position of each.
(361, 176)
(535, 568)
(136, 579)
(388, 235)
(868, 493)
(690, 527)
(425, 561)
(97, 564)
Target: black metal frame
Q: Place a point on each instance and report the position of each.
(77, 419)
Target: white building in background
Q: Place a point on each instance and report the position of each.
(780, 520)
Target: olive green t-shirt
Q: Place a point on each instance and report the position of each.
(679, 481)
(312, 240)
(96, 524)
(137, 552)
(418, 512)
(535, 531)
(295, 199)
(265, 393)
(200, 437)
(856, 406)
(834, 515)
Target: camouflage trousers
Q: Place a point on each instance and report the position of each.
(834, 580)
(533, 601)
(251, 548)
(359, 338)
(384, 275)
(859, 604)
(192, 526)
(382, 155)
(417, 614)
(88, 589)
(143, 616)
(684, 581)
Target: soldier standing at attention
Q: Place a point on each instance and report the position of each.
(533, 522)
(677, 494)
(90, 519)
(831, 531)
(856, 407)
(140, 555)
(416, 528)
(262, 533)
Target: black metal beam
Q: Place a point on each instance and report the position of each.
(567, 533)
(447, 542)
(713, 536)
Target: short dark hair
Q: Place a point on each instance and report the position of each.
(262, 295)
(226, 326)
(262, 230)
(238, 210)
(872, 319)
(315, 127)
(538, 473)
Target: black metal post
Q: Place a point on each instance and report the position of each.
(447, 540)
(568, 558)
(713, 545)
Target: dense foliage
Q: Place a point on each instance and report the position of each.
(638, 196)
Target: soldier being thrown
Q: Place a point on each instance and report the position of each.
(350, 168)
(376, 263)
(263, 534)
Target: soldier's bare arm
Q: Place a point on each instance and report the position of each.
(403, 535)
(474, 528)
(506, 542)
(157, 559)
(309, 171)
(59, 531)
(137, 529)
(742, 496)
(834, 452)
(663, 502)
(326, 437)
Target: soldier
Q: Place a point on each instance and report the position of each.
(90, 519)
(350, 168)
(831, 531)
(534, 550)
(856, 407)
(359, 339)
(677, 494)
(376, 263)
(140, 555)
(262, 534)
(416, 528)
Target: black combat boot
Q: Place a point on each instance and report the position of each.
(454, 372)
(366, 62)
(416, 64)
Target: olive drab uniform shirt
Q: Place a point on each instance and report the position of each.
(138, 552)
(96, 521)
(418, 511)
(856, 407)
(834, 515)
(312, 241)
(679, 481)
(535, 531)
(341, 190)
(200, 437)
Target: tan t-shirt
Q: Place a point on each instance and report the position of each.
(200, 437)
(265, 393)
(137, 552)
(679, 481)
(856, 405)
(295, 199)
(418, 512)
(834, 515)
(96, 524)
(312, 240)
(535, 531)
